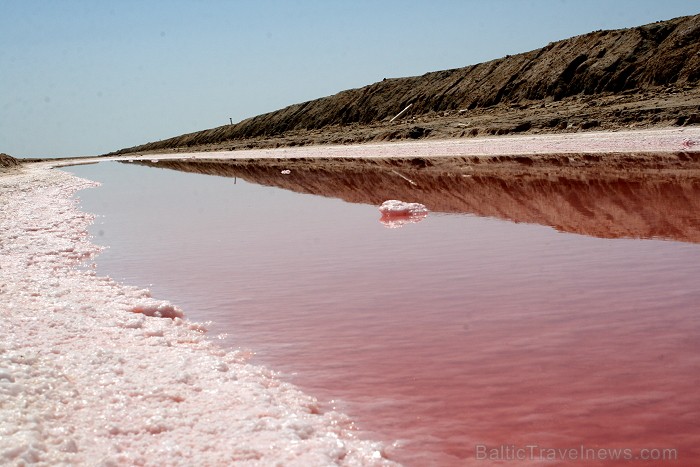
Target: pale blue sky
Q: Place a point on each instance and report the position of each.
(88, 77)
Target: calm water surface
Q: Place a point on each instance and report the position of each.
(443, 335)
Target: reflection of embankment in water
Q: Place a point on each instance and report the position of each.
(607, 196)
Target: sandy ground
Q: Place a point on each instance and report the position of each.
(93, 372)
(97, 373)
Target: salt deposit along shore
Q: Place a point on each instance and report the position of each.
(631, 141)
(93, 372)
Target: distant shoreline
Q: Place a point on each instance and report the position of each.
(638, 142)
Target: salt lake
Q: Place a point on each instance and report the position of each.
(550, 312)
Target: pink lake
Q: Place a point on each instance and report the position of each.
(447, 337)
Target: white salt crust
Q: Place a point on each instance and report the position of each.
(396, 213)
(686, 139)
(91, 375)
(395, 206)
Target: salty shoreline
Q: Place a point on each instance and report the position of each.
(685, 139)
(90, 374)
(98, 372)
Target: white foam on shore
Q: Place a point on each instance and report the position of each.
(93, 372)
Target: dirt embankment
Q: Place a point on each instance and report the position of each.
(629, 78)
(627, 195)
(7, 162)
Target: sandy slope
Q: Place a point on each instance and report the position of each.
(91, 375)
(643, 76)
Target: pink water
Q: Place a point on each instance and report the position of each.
(446, 334)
